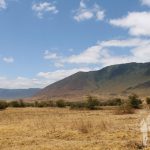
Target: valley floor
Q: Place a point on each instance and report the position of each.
(64, 129)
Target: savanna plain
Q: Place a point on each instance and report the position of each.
(65, 129)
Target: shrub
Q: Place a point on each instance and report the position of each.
(50, 103)
(14, 104)
(148, 100)
(128, 106)
(60, 103)
(3, 105)
(116, 102)
(135, 101)
(113, 102)
(44, 104)
(22, 103)
(77, 105)
(31, 104)
(92, 102)
(36, 104)
(125, 108)
(19, 103)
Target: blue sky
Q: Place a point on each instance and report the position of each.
(43, 41)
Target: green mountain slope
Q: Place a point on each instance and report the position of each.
(111, 80)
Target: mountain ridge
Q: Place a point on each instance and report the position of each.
(111, 80)
(17, 93)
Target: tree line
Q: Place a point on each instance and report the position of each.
(91, 103)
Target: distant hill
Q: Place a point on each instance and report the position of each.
(121, 79)
(17, 93)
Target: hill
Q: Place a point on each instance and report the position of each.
(17, 93)
(107, 82)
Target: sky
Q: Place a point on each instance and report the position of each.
(44, 41)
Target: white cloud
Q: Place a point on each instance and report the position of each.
(58, 64)
(53, 57)
(138, 23)
(85, 13)
(139, 51)
(145, 2)
(132, 42)
(3, 4)
(44, 7)
(101, 54)
(8, 59)
(22, 83)
(60, 74)
(42, 79)
(50, 55)
(90, 56)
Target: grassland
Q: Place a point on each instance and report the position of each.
(64, 129)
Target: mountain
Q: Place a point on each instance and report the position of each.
(122, 79)
(17, 93)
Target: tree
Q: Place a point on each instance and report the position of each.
(60, 103)
(92, 102)
(135, 101)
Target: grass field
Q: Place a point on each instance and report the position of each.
(64, 129)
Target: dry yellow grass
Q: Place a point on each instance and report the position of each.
(64, 129)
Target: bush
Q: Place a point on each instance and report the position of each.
(36, 104)
(50, 103)
(148, 100)
(44, 104)
(77, 105)
(14, 104)
(128, 106)
(3, 105)
(125, 108)
(135, 101)
(92, 102)
(29, 104)
(19, 103)
(61, 103)
(116, 102)
(22, 103)
(113, 102)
